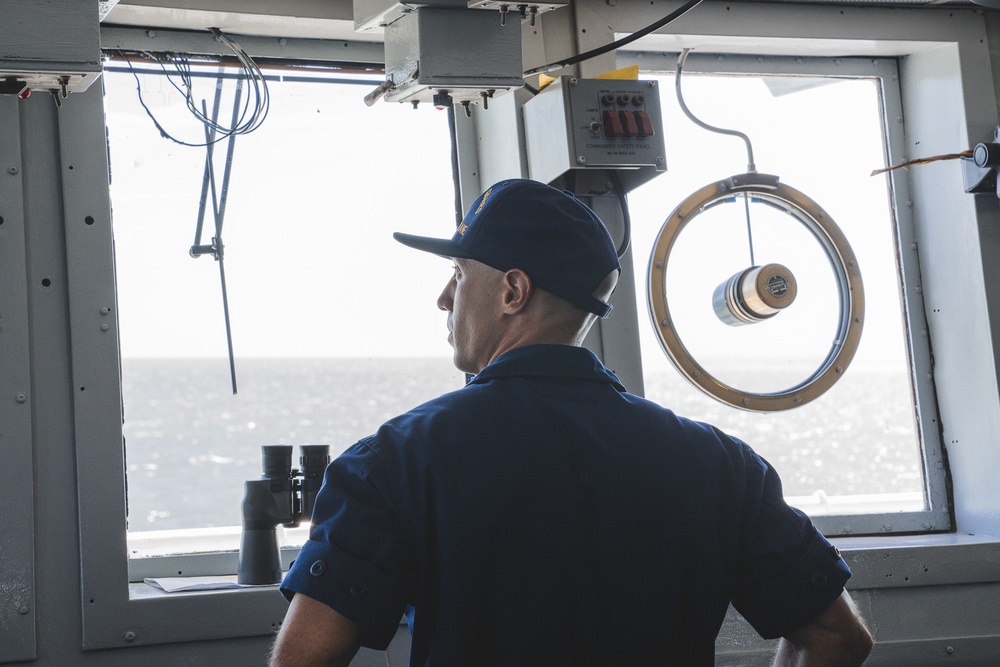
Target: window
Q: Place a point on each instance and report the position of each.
(332, 320)
(863, 457)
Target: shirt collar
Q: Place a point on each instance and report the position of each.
(565, 361)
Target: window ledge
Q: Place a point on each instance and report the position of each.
(197, 552)
(897, 561)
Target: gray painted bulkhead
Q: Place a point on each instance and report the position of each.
(931, 599)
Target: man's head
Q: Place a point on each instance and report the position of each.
(532, 262)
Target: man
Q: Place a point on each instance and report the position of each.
(541, 515)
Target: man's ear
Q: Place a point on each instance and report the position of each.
(517, 291)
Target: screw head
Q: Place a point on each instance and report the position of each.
(129, 636)
(21, 397)
(582, 159)
(12, 171)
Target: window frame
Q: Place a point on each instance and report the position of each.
(17, 522)
(937, 517)
(123, 614)
(118, 609)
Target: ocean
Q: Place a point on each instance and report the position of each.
(190, 443)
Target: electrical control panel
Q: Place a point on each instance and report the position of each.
(580, 125)
(48, 46)
(466, 54)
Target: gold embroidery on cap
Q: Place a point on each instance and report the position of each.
(461, 228)
(486, 195)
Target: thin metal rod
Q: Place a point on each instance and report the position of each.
(209, 141)
(751, 167)
(219, 207)
(231, 145)
(220, 214)
(225, 309)
(746, 206)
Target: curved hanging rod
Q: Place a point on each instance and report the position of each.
(751, 167)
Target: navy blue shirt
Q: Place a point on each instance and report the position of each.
(543, 515)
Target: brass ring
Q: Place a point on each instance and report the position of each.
(768, 190)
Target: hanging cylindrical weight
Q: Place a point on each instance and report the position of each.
(754, 295)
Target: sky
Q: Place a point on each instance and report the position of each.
(313, 271)
(316, 192)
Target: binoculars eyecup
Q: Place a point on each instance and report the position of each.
(276, 461)
(314, 459)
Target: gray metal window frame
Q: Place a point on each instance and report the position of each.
(119, 610)
(937, 516)
(115, 612)
(17, 521)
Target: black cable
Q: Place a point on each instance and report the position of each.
(453, 132)
(626, 216)
(251, 74)
(253, 77)
(149, 112)
(601, 50)
(163, 132)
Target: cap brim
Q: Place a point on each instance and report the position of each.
(441, 247)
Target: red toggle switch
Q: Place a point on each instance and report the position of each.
(613, 125)
(645, 125)
(628, 121)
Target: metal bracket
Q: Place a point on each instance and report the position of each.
(979, 173)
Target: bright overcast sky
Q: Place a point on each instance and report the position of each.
(317, 191)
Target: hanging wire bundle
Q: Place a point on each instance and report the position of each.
(255, 105)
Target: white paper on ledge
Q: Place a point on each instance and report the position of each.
(176, 584)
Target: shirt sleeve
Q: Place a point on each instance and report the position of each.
(789, 573)
(357, 560)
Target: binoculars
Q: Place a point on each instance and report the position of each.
(282, 495)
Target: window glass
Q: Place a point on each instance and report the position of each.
(856, 448)
(332, 320)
